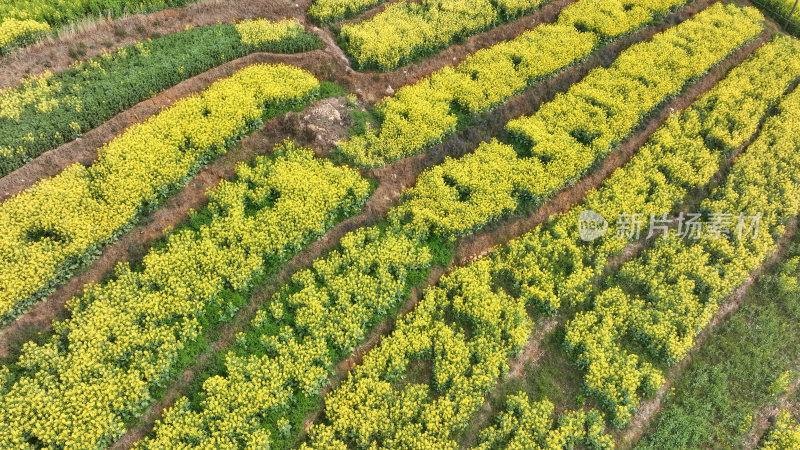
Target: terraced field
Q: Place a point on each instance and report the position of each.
(407, 224)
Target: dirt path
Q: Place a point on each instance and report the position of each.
(649, 409)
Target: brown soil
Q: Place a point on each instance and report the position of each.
(649, 409)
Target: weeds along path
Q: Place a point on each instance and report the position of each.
(648, 409)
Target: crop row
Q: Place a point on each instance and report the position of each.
(407, 31)
(566, 136)
(663, 298)
(52, 109)
(785, 433)
(391, 396)
(328, 11)
(423, 114)
(553, 265)
(681, 156)
(23, 21)
(62, 222)
(324, 313)
(126, 337)
(525, 424)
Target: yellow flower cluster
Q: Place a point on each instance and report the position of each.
(668, 294)
(464, 332)
(15, 32)
(327, 11)
(39, 90)
(62, 222)
(332, 305)
(406, 31)
(573, 131)
(526, 425)
(262, 31)
(785, 433)
(554, 265)
(124, 337)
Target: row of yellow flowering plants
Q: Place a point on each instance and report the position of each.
(22, 22)
(63, 222)
(408, 31)
(681, 156)
(559, 143)
(785, 433)
(48, 110)
(663, 298)
(423, 114)
(126, 337)
(308, 342)
(529, 425)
